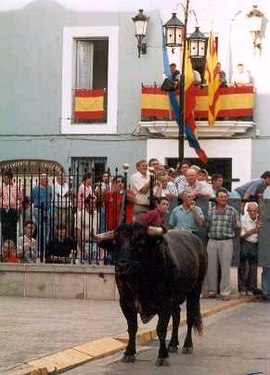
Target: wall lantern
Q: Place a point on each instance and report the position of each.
(140, 22)
(255, 17)
(197, 44)
(174, 32)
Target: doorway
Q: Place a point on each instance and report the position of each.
(214, 165)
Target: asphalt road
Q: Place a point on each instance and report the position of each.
(235, 342)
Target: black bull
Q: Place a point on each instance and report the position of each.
(155, 275)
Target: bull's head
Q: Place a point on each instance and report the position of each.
(131, 245)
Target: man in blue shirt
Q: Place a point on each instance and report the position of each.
(187, 215)
(254, 189)
(41, 198)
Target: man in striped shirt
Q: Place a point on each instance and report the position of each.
(223, 225)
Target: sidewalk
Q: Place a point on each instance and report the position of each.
(36, 328)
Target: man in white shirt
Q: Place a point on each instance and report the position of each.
(26, 244)
(192, 185)
(61, 199)
(241, 77)
(247, 270)
(86, 223)
(140, 183)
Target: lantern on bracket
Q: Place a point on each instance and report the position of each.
(140, 22)
(197, 44)
(255, 17)
(174, 32)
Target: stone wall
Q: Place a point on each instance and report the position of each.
(58, 281)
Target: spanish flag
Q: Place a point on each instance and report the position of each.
(89, 104)
(212, 79)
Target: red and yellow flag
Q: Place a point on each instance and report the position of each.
(89, 104)
(190, 103)
(212, 80)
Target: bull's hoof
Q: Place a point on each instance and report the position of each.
(172, 349)
(162, 362)
(130, 358)
(186, 350)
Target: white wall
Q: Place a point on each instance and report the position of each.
(237, 149)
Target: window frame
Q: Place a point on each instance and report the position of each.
(69, 36)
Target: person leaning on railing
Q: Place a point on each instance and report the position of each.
(9, 252)
(140, 183)
(41, 198)
(252, 190)
(61, 199)
(61, 247)
(86, 222)
(117, 210)
(241, 76)
(85, 190)
(11, 198)
(27, 245)
(222, 76)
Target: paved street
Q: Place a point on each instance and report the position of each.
(33, 327)
(235, 342)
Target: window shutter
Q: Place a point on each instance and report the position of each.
(84, 64)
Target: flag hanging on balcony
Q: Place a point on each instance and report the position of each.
(212, 80)
(89, 104)
(190, 103)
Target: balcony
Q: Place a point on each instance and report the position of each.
(235, 115)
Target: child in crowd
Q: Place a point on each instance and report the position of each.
(9, 253)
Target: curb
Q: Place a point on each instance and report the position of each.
(69, 358)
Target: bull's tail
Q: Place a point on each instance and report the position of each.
(198, 325)
(194, 317)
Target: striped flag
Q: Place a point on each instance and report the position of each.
(190, 103)
(89, 104)
(212, 80)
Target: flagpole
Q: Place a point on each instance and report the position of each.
(181, 124)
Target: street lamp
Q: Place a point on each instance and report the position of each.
(197, 44)
(198, 49)
(175, 36)
(140, 22)
(255, 17)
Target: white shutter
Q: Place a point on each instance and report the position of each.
(84, 64)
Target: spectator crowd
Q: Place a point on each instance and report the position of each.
(54, 221)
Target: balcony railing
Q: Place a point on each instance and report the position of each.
(236, 103)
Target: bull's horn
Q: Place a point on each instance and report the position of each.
(102, 236)
(155, 231)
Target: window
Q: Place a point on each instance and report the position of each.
(81, 165)
(90, 86)
(89, 80)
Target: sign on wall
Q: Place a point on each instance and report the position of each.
(31, 166)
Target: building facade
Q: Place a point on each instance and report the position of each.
(72, 88)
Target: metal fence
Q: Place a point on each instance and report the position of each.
(50, 217)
